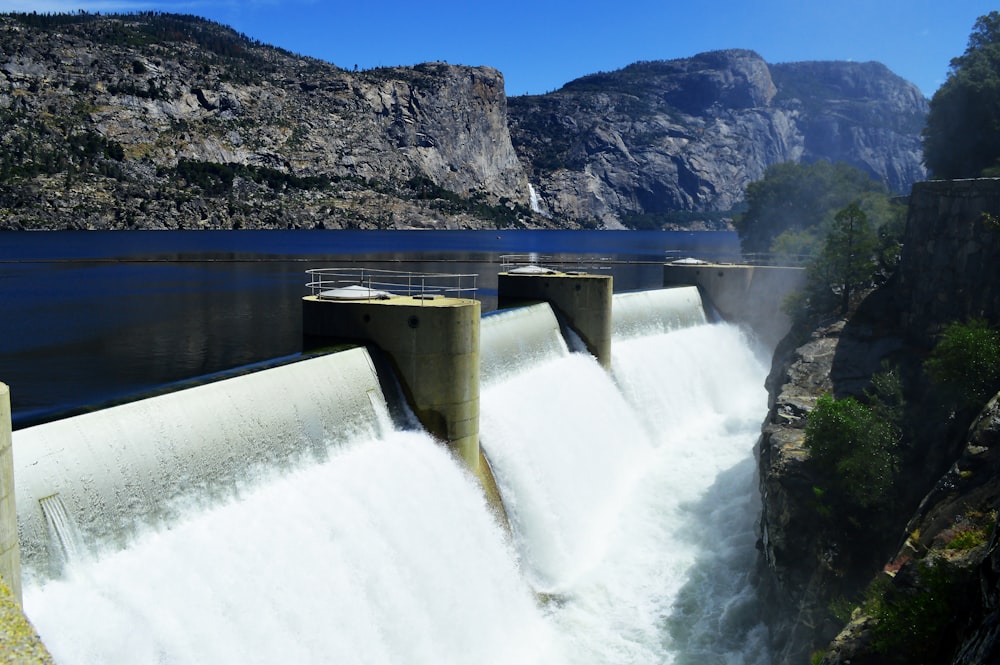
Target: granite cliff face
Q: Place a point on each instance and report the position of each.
(950, 467)
(638, 145)
(166, 121)
(183, 123)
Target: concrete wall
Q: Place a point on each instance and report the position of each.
(748, 295)
(433, 346)
(10, 553)
(584, 301)
(949, 269)
(19, 642)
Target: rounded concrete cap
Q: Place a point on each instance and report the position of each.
(532, 270)
(355, 292)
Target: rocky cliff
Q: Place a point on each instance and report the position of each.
(162, 121)
(932, 548)
(656, 141)
(167, 121)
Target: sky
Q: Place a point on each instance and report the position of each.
(540, 45)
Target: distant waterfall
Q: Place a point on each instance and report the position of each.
(535, 202)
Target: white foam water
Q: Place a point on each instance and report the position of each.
(385, 553)
(632, 509)
(632, 498)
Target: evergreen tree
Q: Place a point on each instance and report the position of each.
(962, 136)
(848, 256)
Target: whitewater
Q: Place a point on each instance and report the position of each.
(632, 503)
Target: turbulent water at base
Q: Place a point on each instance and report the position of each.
(632, 507)
(632, 498)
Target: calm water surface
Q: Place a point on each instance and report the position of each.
(93, 317)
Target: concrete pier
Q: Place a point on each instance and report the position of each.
(433, 346)
(10, 553)
(19, 643)
(751, 295)
(583, 300)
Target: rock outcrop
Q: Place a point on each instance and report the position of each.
(951, 256)
(640, 145)
(950, 472)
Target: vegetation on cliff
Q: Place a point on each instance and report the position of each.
(793, 206)
(962, 137)
(853, 448)
(843, 476)
(965, 364)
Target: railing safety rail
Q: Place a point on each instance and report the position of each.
(375, 284)
(561, 262)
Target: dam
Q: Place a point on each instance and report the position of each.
(295, 514)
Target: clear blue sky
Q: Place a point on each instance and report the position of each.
(541, 45)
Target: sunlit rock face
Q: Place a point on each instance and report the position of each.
(654, 138)
(159, 121)
(162, 121)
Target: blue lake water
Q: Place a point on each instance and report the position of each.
(93, 317)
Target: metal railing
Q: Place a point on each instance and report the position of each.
(373, 284)
(560, 263)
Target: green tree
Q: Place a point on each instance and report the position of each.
(847, 260)
(789, 209)
(966, 362)
(962, 135)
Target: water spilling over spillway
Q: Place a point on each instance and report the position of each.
(630, 497)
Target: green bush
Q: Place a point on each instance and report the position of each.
(916, 625)
(853, 449)
(966, 362)
(968, 539)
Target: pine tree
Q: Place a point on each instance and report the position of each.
(962, 136)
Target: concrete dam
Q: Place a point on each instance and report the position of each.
(309, 512)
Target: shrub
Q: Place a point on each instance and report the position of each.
(968, 539)
(853, 447)
(916, 625)
(966, 362)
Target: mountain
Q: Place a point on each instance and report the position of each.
(170, 121)
(655, 141)
(167, 121)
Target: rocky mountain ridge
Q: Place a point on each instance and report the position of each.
(649, 143)
(162, 121)
(167, 121)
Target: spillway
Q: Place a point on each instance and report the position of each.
(112, 471)
(516, 338)
(630, 496)
(656, 311)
